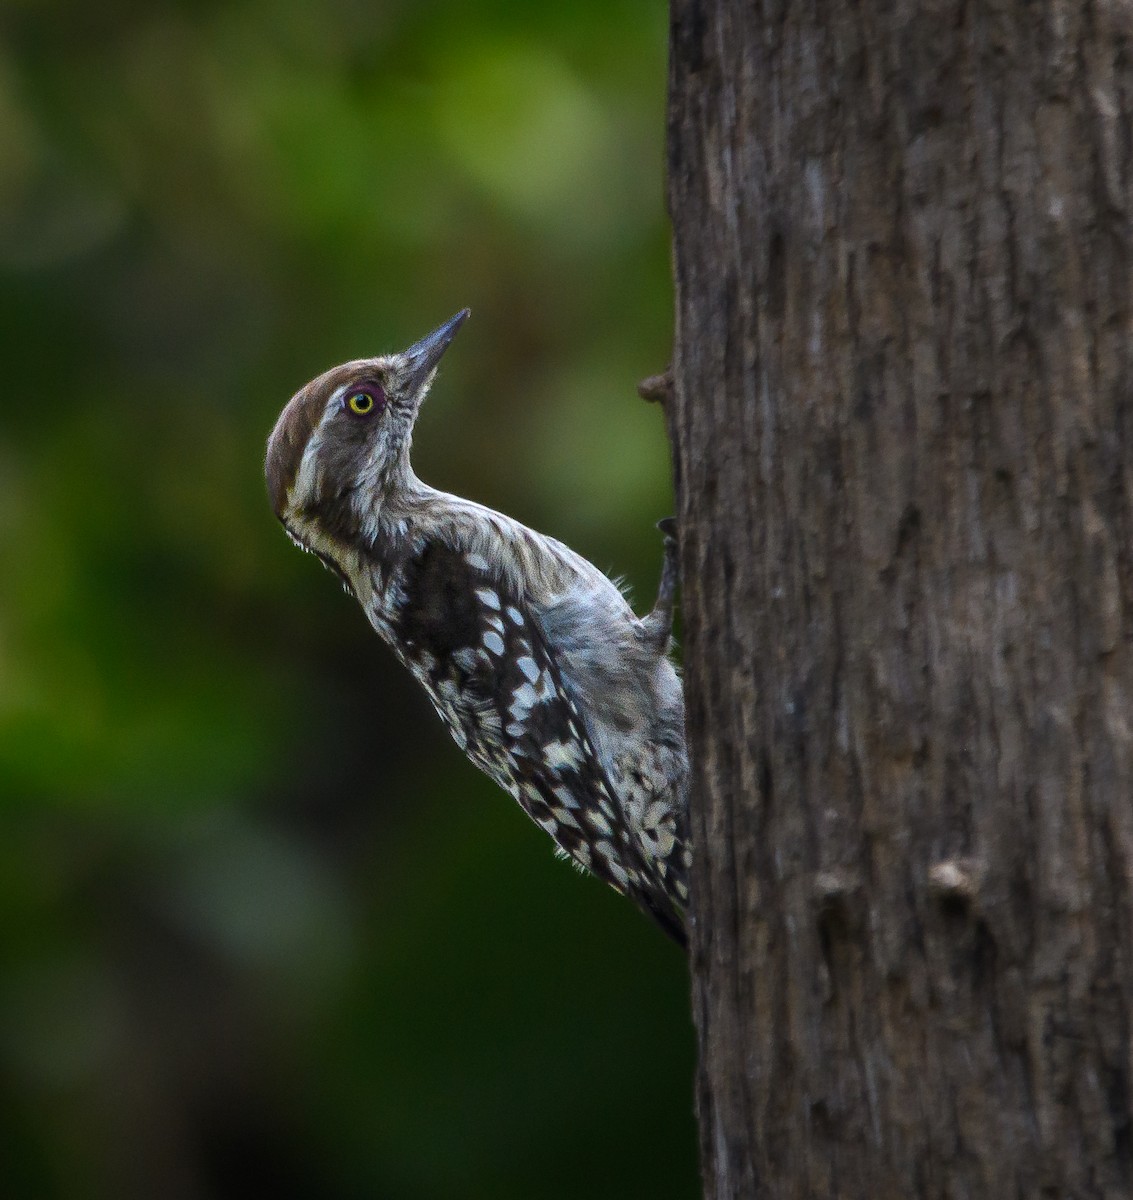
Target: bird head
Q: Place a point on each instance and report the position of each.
(342, 442)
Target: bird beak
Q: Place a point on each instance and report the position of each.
(421, 358)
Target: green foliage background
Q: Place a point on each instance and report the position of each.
(261, 926)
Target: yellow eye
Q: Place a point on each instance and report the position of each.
(367, 400)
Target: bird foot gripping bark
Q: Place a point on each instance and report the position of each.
(657, 627)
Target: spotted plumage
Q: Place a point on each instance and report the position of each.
(532, 657)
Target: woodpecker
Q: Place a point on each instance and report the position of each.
(532, 657)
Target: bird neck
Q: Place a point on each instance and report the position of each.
(388, 515)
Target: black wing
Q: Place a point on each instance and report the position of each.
(479, 650)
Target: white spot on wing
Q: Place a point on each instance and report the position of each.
(487, 596)
(566, 797)
(599, 822)
(523, 698)
(493, 642)
(665, 843)
(529, 667)
(656, 813)
(560, 755)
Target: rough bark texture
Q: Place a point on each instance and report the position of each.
(904, 443)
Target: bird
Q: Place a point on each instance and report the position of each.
(531, 655)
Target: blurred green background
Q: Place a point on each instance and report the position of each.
(262, 926)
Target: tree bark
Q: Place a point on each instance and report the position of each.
(903, 440)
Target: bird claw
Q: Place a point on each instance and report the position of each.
(657, 627)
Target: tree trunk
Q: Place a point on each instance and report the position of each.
(904, 442)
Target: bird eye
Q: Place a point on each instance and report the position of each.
(365, 402)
